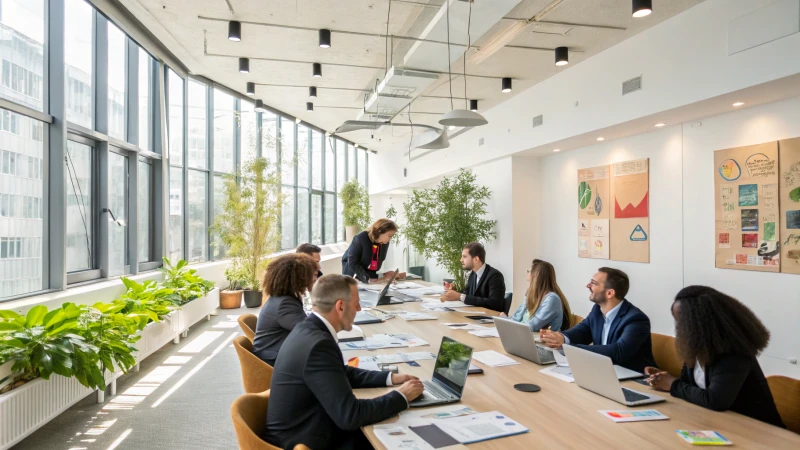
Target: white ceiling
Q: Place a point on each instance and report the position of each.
(180, 25)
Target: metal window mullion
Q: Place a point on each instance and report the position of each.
(132, 92)
(237, 137)
(54, 233)
(296, 188)
(101, 149)
(185, 159)
(160, 169)
(323, 177)
(210, 164)
(132, 130)
(335, 193)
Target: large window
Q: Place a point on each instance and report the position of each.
(248, 139)
(146, 64)
(79, 57)
(302, 155)
(224, 126)
(219, 250)
(303, 219)
(316, 160)
(117, 46)
(175, 87)
(118, 206)
(21, 51)
(198, 153)
(288, 159)
(145, 210)
(197, 230)
(362, 166)
(175, 241)
(269, 140)
(79, 185)
(351, 162)
(287, 219)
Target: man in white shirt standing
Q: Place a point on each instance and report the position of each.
(311, 399)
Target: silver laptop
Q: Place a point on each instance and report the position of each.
(518, 339)
(449, 375)
(372, 298)
(594, 372)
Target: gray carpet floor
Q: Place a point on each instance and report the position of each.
(179, 399)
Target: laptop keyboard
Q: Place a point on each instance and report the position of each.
(633, 396)
(433, 392)
(545, 355)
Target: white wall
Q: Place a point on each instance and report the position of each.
(681, 222)
(682, 60)
(525, 207)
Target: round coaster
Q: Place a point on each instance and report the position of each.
(527, 387)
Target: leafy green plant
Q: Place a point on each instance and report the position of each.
(442, 220)
(355, 204)
(112, 335)
(144, 302)
(184, 281)
(249, 222)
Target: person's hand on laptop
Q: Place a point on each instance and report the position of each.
(659, 379)
(552, 339)
(411, 389)
(400, 276)
(450, 296)
(502, 314)
(447, 285)
(388, 275)
(398, 379)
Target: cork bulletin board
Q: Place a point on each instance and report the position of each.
(630, 223)
(593, 212)
(789, 187)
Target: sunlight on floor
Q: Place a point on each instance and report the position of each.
(200, 342)
(121, 438)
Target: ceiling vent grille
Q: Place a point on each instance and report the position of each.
(632, 85)
(538, 121)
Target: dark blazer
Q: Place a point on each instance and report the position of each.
(276, 320)
(628, 345)
(358, 256)
(311, 400)
(734, 382)
(489, 292)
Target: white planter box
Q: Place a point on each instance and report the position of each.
(25, 409)
(5, 374)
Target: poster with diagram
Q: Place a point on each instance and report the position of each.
(630, 221)
(593, 212)
(748, 221)
(789, 164)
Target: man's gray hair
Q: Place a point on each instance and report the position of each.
(329, 289)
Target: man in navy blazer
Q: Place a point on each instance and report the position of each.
(617, 329)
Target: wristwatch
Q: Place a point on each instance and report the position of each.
(463, 297)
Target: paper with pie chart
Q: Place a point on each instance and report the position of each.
(593, 212)
(630, 221)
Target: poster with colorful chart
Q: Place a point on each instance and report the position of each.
(747, 213)
(630, 222)
(593, 212)
(790, 205)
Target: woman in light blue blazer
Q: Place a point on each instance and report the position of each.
(544, 306)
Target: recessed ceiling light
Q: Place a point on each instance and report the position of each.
(556, 150)
(309, 106)
(601, 138)
(505, 85)
(244, 65)
(562, 56)
(325, 38)
(642, 8)
(234, 31)
(660, 124)
(316, 70)
(312, 91)
(251, 88)
(738, 104)
(473, 105)
(260, 106)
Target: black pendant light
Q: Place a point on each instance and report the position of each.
(473, 105)
(251, 88)
(244, 65)
(506, 85)
(312, 91)
(235, 31)
(325, 38)
(309, 106)
(316, 70)
(260, 106)
(562, 56)
(642, 8)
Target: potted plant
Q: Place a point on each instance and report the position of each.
(355, 208)
(249, 224)
(442, 220)
(231, 298)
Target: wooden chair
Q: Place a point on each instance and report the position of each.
(574, 320)
(786, 392)
(247, 322)
(666, 354)
(256, 374)
(249, 414)
(507, 302)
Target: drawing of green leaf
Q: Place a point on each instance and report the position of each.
(584, 194)
(795, 195)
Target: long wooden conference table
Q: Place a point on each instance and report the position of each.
(562, 415)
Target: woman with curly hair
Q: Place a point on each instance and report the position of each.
(285, 281)
(718, 339)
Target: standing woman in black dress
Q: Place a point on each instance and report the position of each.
(365, 256)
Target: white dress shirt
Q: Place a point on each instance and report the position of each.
(609, 316)
(699, 375)
(336, 338)
(478, 275)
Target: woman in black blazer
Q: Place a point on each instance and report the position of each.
(718, 338)
(365, 256)
(285, 281)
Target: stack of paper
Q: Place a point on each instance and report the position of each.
(411, 316)
(373, 343)
(423, 290)
(490, 332)
(493, 359)
(633, 416)
(464, 326)
(407, 285)
(408, 339)
(705, 437)
(449, 304)
(563, 373)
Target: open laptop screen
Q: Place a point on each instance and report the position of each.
(452, 364)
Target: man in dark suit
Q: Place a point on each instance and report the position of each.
(311, 400)
(617, 329)
(485, 286)
(314, 252)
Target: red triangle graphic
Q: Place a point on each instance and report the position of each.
(631, 211)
